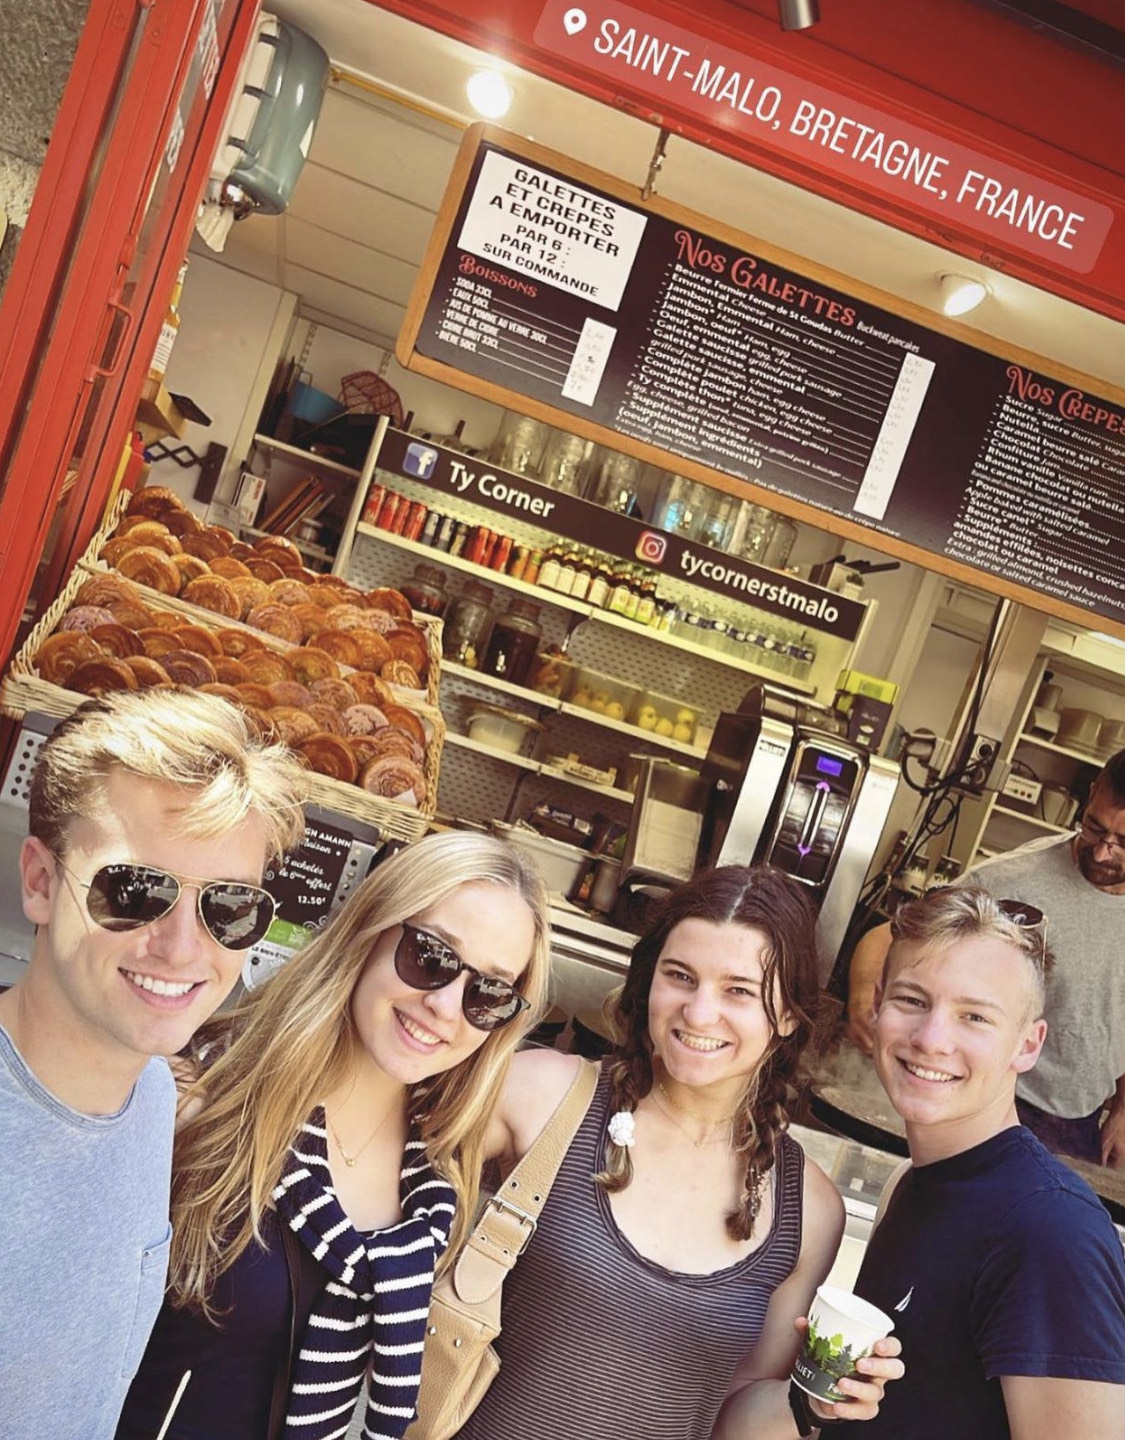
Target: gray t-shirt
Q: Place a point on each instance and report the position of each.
(1084, 1053)
(84, 1239)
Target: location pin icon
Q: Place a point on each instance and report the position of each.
(574, 21)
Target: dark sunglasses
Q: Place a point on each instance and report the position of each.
(426, 962)
(1027, 917)
(128, 896)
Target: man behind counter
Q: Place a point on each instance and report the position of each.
(1000, 1267)
(1080, 883)
(151, 816)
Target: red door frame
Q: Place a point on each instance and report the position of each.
(73, 259)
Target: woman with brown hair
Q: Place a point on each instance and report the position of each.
(686, 1232)
(329, 1152)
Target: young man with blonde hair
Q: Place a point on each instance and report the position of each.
(1000, 1266)
(152, 815)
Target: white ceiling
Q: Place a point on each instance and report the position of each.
(366, 200)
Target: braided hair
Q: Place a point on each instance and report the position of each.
(772, 903)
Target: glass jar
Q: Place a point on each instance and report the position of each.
(617, 482)
(519, 444)
(752, 532)
(425, 589)
(566, 462)
(716, 520)
(514, 642)
(468, 624)
(679, 504)
(781, 544)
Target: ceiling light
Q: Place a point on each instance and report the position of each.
(489, 94)
(960, 293)
(798, 14)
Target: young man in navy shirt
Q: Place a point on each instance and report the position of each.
(1000, 1266)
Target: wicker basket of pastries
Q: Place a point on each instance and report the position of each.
(371, 755)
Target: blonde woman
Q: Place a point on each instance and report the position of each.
(330, 1147)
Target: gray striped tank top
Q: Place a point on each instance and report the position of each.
(600, 1343)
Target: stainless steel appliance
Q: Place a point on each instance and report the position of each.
(787, 789)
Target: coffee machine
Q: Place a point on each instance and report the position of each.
(787, 789)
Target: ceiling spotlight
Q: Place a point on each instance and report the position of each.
(798, 14)
(960, 294)
(489, 94)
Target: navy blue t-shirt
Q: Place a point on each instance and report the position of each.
(998, 1261)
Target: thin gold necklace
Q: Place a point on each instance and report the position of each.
(350, 1160)
(708, 1138)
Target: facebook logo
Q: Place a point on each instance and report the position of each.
(420, 460)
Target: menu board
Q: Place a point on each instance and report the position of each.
(638, 323)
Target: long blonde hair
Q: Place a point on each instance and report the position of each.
(293, 1041)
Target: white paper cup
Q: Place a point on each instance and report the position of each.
(842, 1329)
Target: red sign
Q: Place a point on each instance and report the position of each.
(779, 109)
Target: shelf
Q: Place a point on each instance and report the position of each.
(305, 457)
(619, 622)
(611, 791)
(317, 552)
(506, 757)
(1034, 820)
(493, 682)
(1057, 749)
(650, 737)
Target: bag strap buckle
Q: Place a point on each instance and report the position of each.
(528, 1222)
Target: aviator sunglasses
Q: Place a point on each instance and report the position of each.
(128, 896)
(426, 962)
(1016, 912)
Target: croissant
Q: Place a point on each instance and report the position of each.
(214, 593)
(395, 778)
(329, 755)
(267, 667)
(152, 568)
(337, 693)
(146, 671)
(276, 620)
(63, 652)
(186, 668)
(98, 677)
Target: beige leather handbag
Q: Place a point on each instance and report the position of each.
(459, 1362)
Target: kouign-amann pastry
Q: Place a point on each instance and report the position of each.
(290, 592)
(152, 568)
(290, 692)
(157, 534)
(131, 613)
(104, 590)
(186, 668)
(117, 641)
(395, 779)
(195, 637)
(384, 598)
(181, 522)
(146, 671)
(255, 695)
(311, 663)
(62, 653)
(329, 755)
(85, 617)
(267, 667)
(230, 672)
(340, 646)
(237, 643)
(191, 567)
(263, 569)
(372, 648)
(228, 567)
(276, 620)
(363, 719)
(400, 672)
(291, 724)
(327, 717)
(403, 719)
(159, 642)
(370, 689)
(313, 619)
(154, 499)
(204, 544)
(99, 677)
(337, 693)
(250, 592)
(214, 593)
(224, 692)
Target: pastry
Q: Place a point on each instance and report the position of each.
(214, 593)
(278, 545)
(181, 522)
(403, 719)
(146, 671)
(341, 647)
(362, 719)
(117, 641)
(98, 677)
(329, 755)
(62, 652)
(224, 692)
(290, 592)
(409, 645)
(225, 537)
(346, 617)
(311, 664)
(153, 499)
(384, 598)
(381, 620)
(389, 741)
(290, 692)
(372, 649)
(112, 551)
(259, 722)
(85, 617)
(395, 778)
(313, 619)
(263, 569)
(104, 589)
(228, 567)
(204, 544)
(276, 620)
(241, 551)
(237, 643)
(337, 693)
(154, 532)
(256, 696)
(325, 595)
(400, 672)
(250, 592)
(152, 568)
(291, 724)
(199, 640)
(186, 668)
(165, 619)
(131, 613)
(371, 689)
(159, 642)
(267, 667)
(228, 671)
(328, 718)
(127, 523)
(191, 567)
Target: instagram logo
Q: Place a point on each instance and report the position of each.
(651, 547)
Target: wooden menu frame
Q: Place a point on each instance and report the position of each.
(903, 545)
